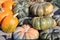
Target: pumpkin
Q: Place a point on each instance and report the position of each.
(8, 4)
(57, 18)
(42, 23)
(9, 24)
(2, 38)
(5, 13)
(22, 8)
(40, 9)
(31, 2)
(2, 1)
(50, 34)
(25, 32)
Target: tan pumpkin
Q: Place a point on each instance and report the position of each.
(44, 8)
(25, 32)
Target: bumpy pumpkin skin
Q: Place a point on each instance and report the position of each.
(44, 8)
(25, 32)
(22, 8)
(42, 23)
(9, 24)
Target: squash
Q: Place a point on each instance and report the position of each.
(42, 23)
(50, 34)
(8, 4)
(40, 9)
(25, 33)
(22, 8)
(5, 13)
(9, 24)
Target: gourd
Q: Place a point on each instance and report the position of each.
(50, 34)
(8, 4)
(22, 8)
(40, 9)
(9, 23)
(42, 23)
(25, 33)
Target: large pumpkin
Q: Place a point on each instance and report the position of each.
(25, 32)
(50, 34)
(22, 8)
(44, 8)
(9, 24)
(43, 23)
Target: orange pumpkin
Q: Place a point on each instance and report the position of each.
(2, 1)
(9, 24)
(4, 14)
(8, 4)
(25, 32)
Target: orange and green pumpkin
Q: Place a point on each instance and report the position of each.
(9, 24)
(43, 23)
(44, 8)
(25, 33)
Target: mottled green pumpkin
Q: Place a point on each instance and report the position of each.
(43, 8)
(43, 23)
(50, 34)
(22, 8)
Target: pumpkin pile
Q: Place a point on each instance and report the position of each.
(29, 19)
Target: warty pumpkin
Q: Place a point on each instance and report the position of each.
(25, 33)
(40, 9)
(22, 8)
(42, 23)
(50, 34)
(9, 24)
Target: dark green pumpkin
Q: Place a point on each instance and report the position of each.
(42, 23)
(43, 8)
(50, 34)
(22, 8)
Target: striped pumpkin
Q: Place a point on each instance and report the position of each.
(44, 8)
(50, 34)
(43, 23)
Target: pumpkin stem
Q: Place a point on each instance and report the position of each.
(15, 14)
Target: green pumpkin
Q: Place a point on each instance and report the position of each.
(22, 8)
(42, 23)
(50, 34)
(43, 8)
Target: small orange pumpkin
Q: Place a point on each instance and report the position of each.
(5, 13)
(25, 32)
(8, 4)
(2, 1)
(9, 23)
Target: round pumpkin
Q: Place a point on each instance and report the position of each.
(50, 34)
(25, 32)
(44, 8)
(43, 23)
(8, 4)
(5, 13)
(9, 24)
(22, 8)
